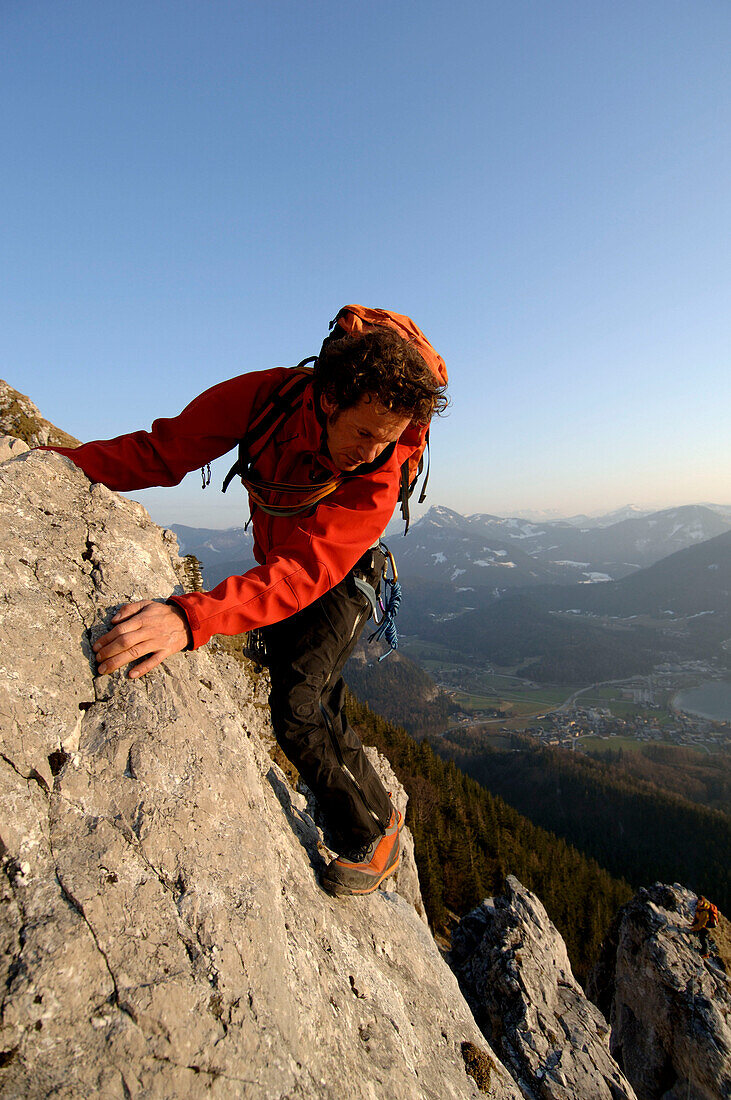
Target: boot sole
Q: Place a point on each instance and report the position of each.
(339, 891)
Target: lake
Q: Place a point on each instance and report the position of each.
(709, 700)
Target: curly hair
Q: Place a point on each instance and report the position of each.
(380, 363)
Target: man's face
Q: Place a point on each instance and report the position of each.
(361, 433)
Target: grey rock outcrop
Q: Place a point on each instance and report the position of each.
(11, 447)
(669, 1010)
(163, 933)
(513, 968)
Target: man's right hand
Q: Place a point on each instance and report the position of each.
(147, 629)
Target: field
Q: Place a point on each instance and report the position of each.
(495, 692)
(601, 744)
(485, 691)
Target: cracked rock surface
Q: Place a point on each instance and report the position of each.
(515, 973)
(162, 930)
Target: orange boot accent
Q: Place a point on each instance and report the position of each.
(362, 871)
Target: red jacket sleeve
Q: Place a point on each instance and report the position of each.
(316, 553)
(319, 552)
(206, 428)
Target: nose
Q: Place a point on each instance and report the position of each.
(369, 452)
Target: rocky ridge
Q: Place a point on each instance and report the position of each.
(669, 1010)
(163, 932)
(21, 419)
(515, 973)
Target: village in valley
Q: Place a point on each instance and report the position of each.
(571, 728)
(626, 713)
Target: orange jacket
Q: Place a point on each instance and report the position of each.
(300, 557)
(706, 915)
(700, 920)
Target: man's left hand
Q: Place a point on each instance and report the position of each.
(146, 629)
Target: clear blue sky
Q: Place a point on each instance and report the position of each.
(192, 189)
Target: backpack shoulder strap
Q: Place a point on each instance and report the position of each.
(280, 405)
(408, 484)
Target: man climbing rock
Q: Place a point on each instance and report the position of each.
(706, 918)
(325, 453)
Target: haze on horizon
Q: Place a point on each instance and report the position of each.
(196, 189)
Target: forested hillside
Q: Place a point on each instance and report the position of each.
(698, 776)
(399, 690)
(467, 840)
(631, 827)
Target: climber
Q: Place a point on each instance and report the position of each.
(322, 485)
(706, 917)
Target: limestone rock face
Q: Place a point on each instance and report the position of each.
(669, 1009)
(11, 446)
(162, 930)
(513, 968)
(19, 417)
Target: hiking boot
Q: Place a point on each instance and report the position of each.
(363, 870)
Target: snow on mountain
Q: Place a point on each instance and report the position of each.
(485, 550)
(489, 550)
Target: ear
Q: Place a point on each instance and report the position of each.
(327, 405)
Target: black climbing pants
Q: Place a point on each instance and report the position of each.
(306, 654)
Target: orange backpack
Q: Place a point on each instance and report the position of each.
(282, 403)
(704, 903)
(356, 319)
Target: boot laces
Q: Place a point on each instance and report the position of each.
(363, 854)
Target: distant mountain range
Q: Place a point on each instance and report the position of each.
(677, 609)
(221, 553)
(509, 591)
(605, 519)
(499, 554)
(485, 551)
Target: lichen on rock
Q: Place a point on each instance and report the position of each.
(21, 419)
